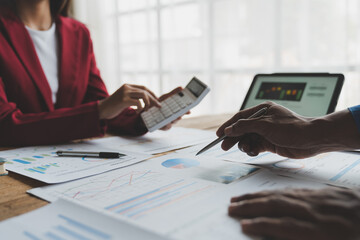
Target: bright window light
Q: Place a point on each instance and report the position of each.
(162, 44)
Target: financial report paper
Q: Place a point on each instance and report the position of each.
(69, 220)
(176, 205)
(335, 168)
(42, 163)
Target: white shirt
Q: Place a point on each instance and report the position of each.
(46, 46)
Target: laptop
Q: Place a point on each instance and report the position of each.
(307, 94)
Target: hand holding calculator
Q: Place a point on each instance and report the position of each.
(175, 106)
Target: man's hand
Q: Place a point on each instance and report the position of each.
(288, 134)
(326, 214)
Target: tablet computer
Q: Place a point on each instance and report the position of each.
(308, 94)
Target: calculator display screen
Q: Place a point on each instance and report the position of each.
(196, 87)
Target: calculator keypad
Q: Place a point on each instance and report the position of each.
(169, 107)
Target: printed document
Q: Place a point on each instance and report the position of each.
(171, 205)
(69, 220)
(336, 168)
(42, 163)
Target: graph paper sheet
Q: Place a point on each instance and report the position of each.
(68, 220)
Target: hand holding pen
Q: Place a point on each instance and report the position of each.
(288, 134)
(259, 113)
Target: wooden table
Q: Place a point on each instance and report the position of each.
(15, 201)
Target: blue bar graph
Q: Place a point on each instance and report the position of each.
(21, 161)
(30, 236)
(34, 170)
(142, 204)
(156, 201)
(346, 170)
(85, 227)
(53, 236)
(71, 233)
(42, 169)
(140, 196)
(68, 228)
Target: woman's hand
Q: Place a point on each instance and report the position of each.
(126, 96)
(130, 95)
(290, 135)
(165, 96)
(331, 213)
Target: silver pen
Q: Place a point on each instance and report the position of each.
(216, 141)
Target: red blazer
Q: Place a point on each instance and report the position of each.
(27, 114)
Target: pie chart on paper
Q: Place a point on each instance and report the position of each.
(180, 163)
(289, 165)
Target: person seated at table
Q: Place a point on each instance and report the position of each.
(51, 90)
(330, 213)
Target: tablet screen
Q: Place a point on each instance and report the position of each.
(306, 95)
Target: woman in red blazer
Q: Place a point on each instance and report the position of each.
(83, 108)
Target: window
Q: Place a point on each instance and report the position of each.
(163, 43)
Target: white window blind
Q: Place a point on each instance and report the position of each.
(163, 43)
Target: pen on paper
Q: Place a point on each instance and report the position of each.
(90, 154)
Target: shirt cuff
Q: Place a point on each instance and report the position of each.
(355, 111)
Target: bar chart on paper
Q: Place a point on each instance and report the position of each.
(67, 220)
(69, 228)
(27, 157)
(42, 168)
(43, 164)
(155, 199)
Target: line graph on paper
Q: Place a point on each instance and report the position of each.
(98, 186)
(134, 194)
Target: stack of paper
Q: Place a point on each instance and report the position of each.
(177, 195)
(180, 208)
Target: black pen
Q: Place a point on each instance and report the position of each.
(90, 154)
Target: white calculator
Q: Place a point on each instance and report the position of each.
(175, 106)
